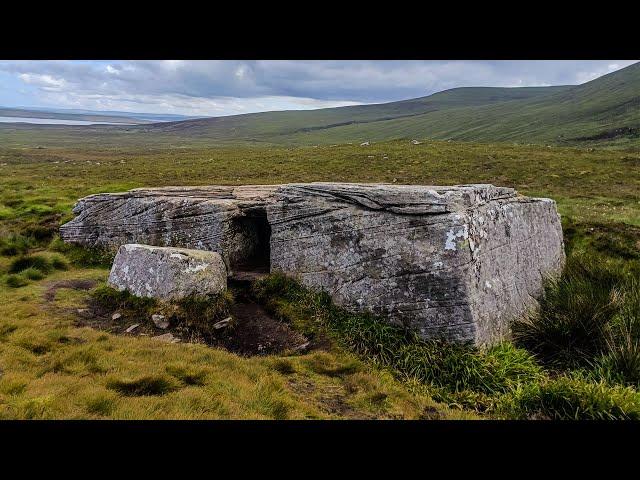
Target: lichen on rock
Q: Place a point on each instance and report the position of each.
(167, 273)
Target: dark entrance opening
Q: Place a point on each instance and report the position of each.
(250, 246)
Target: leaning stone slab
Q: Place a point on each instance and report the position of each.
(167, 273)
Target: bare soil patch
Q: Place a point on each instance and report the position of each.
(252, 330)
(50, 292)
(255, 332)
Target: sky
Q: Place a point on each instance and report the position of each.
(228, 87)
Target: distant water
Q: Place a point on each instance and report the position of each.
(55, 121)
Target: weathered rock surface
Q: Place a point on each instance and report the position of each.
(160, 321)
(167, 273)
(215, 218)
(450, 262)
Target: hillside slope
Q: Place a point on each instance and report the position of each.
(270, 124)
(605, 109)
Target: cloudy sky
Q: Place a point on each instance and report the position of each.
(213, 88)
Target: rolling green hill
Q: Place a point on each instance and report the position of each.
(604, 110)
(271, 125)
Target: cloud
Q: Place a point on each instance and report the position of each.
(227, 87)
(46, 82)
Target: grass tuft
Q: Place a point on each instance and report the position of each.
(59, 263)
(16, 281)
(100, 404)
(143, 386)
(572, 399)
(588, 318)
(39, 262)
(200, 312)
(33, 273)
(112, 299)
(187, 375)
(326, 364)
(83, 257)
(283, 366)
(15, 244)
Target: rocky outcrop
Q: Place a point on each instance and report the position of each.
(449, 262)
(167, 273)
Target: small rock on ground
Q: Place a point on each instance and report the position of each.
(302, 348)
(167, 338)
(222, 323)
(160, 321)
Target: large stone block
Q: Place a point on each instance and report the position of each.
(167, 273)
(457, 263)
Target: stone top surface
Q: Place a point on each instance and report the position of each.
(178, 252)
(402, 199)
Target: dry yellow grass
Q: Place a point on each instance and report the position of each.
(52, 369)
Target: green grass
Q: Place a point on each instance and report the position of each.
(33, 273)
(567, 398)
(53, 369)
(590, 315)
(16, 281)
(200, 313)
(149, 385)
(504, 381)
(33, 267)
(187, 374)
(15, 244)
(33, 261)
(82, 257)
